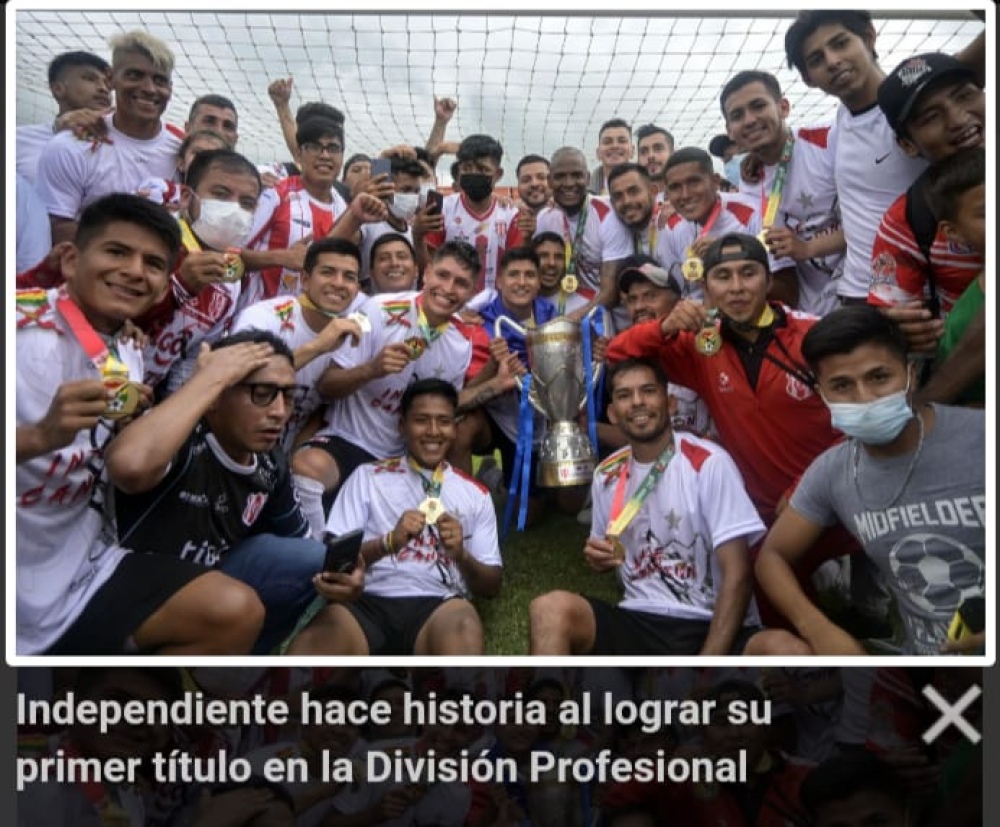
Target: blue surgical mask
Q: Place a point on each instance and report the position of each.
(874, 423)
(731, 170)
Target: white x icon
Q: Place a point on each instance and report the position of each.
(952, 715)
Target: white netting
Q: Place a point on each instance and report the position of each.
(536, 83)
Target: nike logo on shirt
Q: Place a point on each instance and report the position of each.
(880, 160)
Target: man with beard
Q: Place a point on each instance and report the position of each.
(655, 146)
(789, 174)
(671, 516)
(551, 251)
(532, 190)
(633, 200)
(596, 241)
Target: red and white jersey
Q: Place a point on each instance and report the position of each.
(697, 505)
(604, 238)
(870, 172)
(296, 216)
(166, 191)
(369, 417)
(283, 317)
(809, 208)
(174, 339)
(65, 540)
(491, 233)
(900, 273)
(376, 495)
(73, 173)
(735, 216)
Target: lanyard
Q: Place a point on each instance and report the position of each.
(432, 486)
(187, 237)
(431, 334)
(709, 223)
(769, 206)
(93, 345)
(573, 250)
(309, 304)
(623, 515)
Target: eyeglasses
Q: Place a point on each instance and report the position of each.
(263, 394)
(314, 148)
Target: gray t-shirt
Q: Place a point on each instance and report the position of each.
(930, 544)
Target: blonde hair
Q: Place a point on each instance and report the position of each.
(143, 43)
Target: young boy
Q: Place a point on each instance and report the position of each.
(78, 592)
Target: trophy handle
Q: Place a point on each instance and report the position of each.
(600, 328)
(498, 332)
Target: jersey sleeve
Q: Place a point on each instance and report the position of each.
(599, 507)
(483, 544)
(724, 502)
(62, 173)
(255, 317)
(899, 270)
(480, 351)
(675, 353)
(812, 497)
(350, 509)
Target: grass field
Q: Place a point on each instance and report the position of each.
(546, 557)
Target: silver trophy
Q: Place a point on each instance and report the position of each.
(559, 392)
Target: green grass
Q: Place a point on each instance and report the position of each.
(546, 557)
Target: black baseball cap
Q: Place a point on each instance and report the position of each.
(644, 268)
(748, 248)
(719, 144)
(902, 88)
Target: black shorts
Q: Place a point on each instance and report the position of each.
(391, 624)
(628, 632)
(347, 455)
(140, 585)
(499, 441)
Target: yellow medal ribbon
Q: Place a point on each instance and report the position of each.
(572, 247)
(770, 208)
(188, 239)
(309, 304)
(627, 512)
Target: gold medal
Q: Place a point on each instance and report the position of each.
(361, 320)
(125, 401)
(693, 269)
(234, 266)
(417, 346)
(432, 508)
(569, 284)
(617, 547)
(708, 340)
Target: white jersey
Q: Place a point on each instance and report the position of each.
(283, 317)
(375, 496)
(870, 171)
(692, 413)
(491, 233)
(31, 140)
(73, 173)
(809, 208)
(65, 546)
(673, 242)
(369, 417)
(370, 233)
(34, 234)
(166, 191)
(604, 238)
(697, 505)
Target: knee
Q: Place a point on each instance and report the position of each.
(552, 610)
(316, 464)
(235, 609)
(776, 642)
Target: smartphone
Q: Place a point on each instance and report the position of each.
(342, 551)
(381, 166)
(970, 619)
(435, 202)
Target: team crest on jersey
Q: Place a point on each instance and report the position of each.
(959, 249)
(797, 389)
(884, 269)
(254, 505)
(33, 309)
(393, 465)
(725, 383)
(612, 467)
(284, 312)
(216, 309)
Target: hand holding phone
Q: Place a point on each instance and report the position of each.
(435, 202)
(342, 551)
(381, 166)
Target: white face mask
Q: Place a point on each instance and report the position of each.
(222, 224)
(405, 204)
